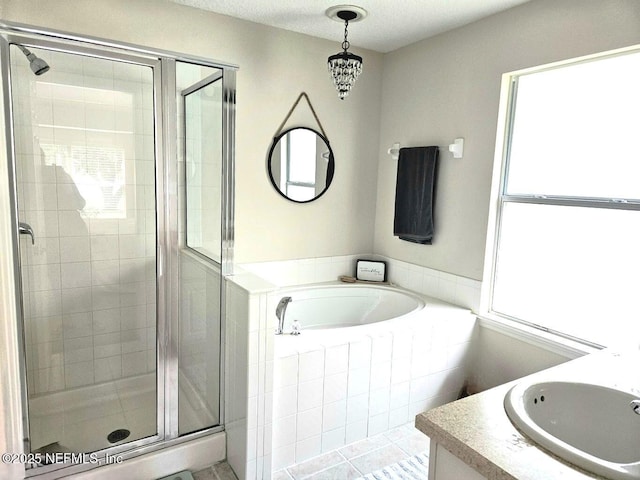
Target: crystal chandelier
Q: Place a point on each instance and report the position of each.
(344, 67)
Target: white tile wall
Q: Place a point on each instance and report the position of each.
(454, 289)
(237, 402)
(298, 272)
(346, 392)
(89, 280)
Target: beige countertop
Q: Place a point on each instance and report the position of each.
(477, 430)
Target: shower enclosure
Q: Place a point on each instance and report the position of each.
(120, 181)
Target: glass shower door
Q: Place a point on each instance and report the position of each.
(86, 198)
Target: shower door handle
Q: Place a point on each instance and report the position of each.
(25, 229)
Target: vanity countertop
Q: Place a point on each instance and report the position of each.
(476, 429)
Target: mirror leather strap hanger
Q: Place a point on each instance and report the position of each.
(295, 104)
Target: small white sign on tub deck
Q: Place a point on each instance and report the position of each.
(371, 271)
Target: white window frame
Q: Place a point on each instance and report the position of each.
(538, 335)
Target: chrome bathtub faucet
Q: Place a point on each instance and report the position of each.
(281, 309)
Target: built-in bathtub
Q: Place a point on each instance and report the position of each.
(369, 358)
(338, 306)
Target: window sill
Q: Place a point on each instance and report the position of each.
(548, 341)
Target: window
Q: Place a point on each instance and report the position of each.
(299, 177)
(566, 252)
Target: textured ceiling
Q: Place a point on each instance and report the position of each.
(390, 24)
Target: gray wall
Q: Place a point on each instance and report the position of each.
(448, 86)
(275, 66)
(426, 93)
(496, 358)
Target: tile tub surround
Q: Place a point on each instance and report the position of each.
(249, 378)
(477, 430)
(451, 288)
(248, 394)
(334, 387)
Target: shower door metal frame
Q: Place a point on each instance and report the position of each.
(155, 65)
(183, 242)
(228, 78)
(167, 214)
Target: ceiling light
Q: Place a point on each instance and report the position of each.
(345, 67)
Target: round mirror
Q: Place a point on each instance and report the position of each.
(301, 164)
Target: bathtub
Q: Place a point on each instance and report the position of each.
(368, 359)
(348, 305)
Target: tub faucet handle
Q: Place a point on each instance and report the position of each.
(296, 327)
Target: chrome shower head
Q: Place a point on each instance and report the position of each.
(38, 66)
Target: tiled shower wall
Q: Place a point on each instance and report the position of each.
(86, 184)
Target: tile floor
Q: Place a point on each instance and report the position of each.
(219, 471)
(360, 458)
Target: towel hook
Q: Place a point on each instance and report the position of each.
(394, 151)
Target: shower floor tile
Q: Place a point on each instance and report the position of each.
(81, 419)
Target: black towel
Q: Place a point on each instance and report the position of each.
(415, 194)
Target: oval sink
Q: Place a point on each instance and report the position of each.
(593, 427)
